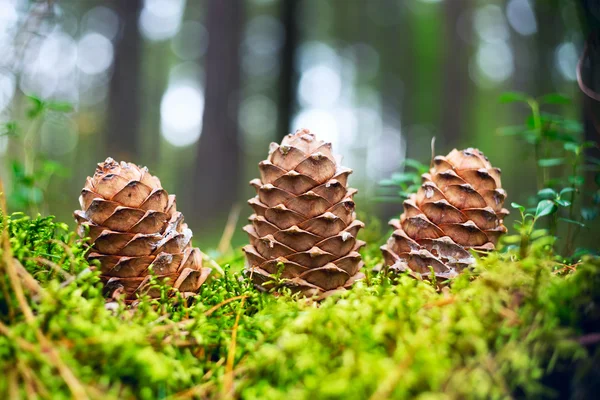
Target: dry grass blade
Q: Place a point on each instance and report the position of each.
(228, 378)
(232, 220)
(29, 281)
(55, 267)
(213, 263)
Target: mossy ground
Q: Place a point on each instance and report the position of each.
(509, 328)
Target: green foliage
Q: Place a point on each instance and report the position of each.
(45, 248)
(30, 171)
(563, 196)
(502, 330)
(405, 183)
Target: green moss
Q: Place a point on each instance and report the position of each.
(506, 329)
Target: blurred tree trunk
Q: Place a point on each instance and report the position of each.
(457, 82)
(590, 71)
(550, 34)
(122, 138)
(288, 79)
(218, 160)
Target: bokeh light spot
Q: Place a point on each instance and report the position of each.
(181, 110)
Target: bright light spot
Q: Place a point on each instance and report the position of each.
(191, 42)
(321, 123)
(57, 55)
(312, 53)
(7, 90)
(495, 61)
(8, 16)
(7, 48)
(181, 110)
(385, 153)
(258, 114)
(58, 134)
(521, 17)
(42, 85)
(347, 123)
(430, 1)
(95, 53)
(490, 24)
(102, 20)
(264, 35)
(161, 19)
(320, 86)
(566, 59)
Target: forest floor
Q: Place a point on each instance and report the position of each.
(509, 328)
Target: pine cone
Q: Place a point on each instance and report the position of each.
(133, 224)
(304, 227)
(458, 207)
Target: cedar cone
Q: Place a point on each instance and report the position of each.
(304, 227)
(458, 207)
(133, 224)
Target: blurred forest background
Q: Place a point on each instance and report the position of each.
(196, 90)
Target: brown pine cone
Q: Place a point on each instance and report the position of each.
(304, 226)
(458, 207)
(133, 225)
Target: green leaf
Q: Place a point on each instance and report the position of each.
(555, 98)
(8, 129)
(576, 180)
(550, 162)
(387, 182)
(60, 106)
(547, 193)
(563, 203)
(517, 206)
(570, 221)
(513, 97)
(572, 147)
(511, 239)
(538, 233)
(409, 162)
(545, 207)
(597, 179)
(572, 126)
(36, 108)
(566, 190)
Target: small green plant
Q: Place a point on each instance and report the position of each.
(560, 164)
(30, 170)
(405, 183)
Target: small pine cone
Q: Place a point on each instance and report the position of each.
(133, 224)
(458, 207)
(304, 226)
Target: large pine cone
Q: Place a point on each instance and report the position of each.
(133, 225)
(458, 207)
(304, 227)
